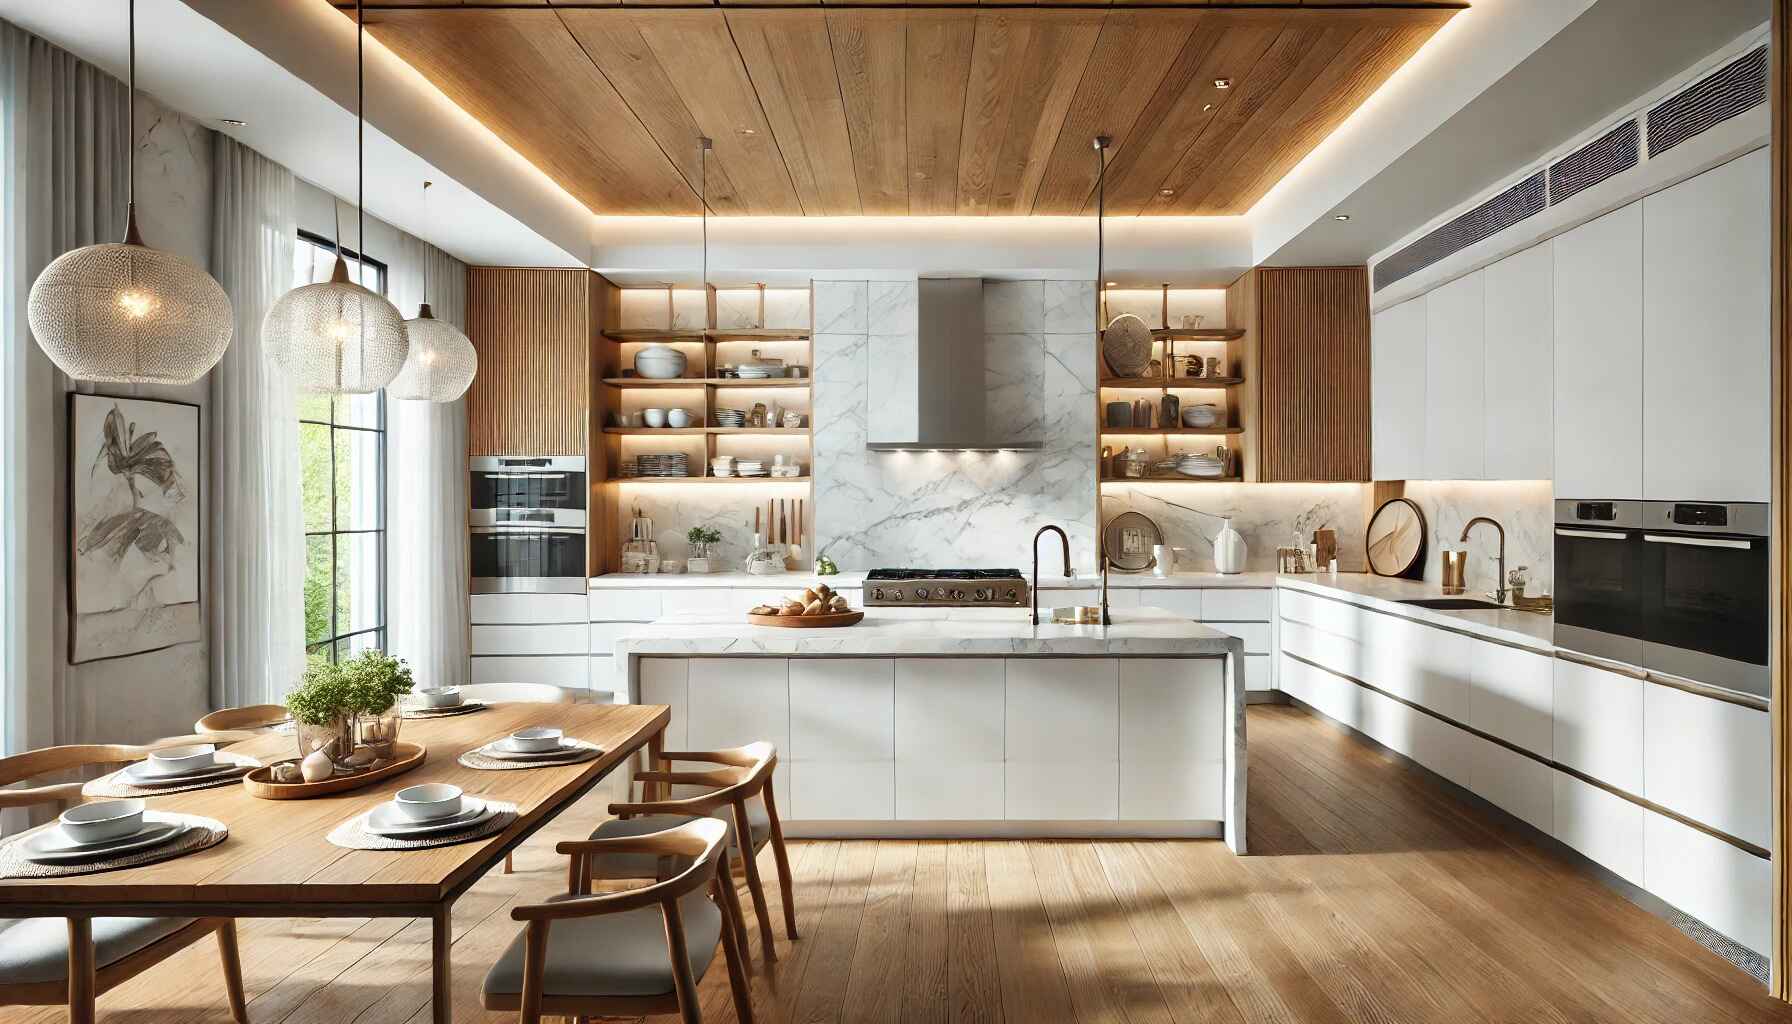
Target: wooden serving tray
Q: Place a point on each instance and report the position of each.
(807, 621)
(260, 782)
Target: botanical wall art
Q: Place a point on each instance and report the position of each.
(133, 525)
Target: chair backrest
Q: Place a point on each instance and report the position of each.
(745, 773)
(703, 842)
(526, 693)
(46, 760)
(255, 716)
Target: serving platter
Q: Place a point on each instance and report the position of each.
(260, 782)
(830, 620)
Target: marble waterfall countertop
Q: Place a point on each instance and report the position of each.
(855, 580)
(971, 632)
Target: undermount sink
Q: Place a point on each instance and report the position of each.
(1451, 604)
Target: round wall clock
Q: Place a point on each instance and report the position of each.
(1395, 542)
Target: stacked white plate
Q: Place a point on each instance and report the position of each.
(387, 820)
(747, 372)
(663, 464)
(508, 749)
(1196, 464)
(721, 465)
(54, 846)
(731, 417)
(149, 773)
(749, 467)
(788, 469)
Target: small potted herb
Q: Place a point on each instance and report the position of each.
(349, 711)
(323, 718)
(702, 540)
(375, 681)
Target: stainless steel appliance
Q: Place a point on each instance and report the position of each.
(528, 524)
(1679, 588)
(945, 588)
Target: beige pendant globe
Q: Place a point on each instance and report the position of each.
(335, 338)
(123, 313)
(441, 365)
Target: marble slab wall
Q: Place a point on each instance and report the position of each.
(955, 508)
(1268, 516)
(1526, 508)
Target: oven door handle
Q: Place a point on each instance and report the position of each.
(522, 476)
(1699, 542)
(1592, 534)
(530, 531)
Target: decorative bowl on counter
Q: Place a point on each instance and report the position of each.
(660, 362)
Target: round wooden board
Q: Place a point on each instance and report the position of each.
(1126, 345)
(260, 782)
(807, 621)
(1395, 540)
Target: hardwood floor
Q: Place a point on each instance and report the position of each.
(1373, 894)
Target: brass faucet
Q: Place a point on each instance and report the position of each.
(1064, 539)
(1499, 591)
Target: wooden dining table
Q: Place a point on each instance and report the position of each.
(277, 862)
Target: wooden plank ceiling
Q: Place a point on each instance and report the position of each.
(842, 110)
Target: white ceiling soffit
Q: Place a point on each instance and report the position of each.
(1186, 252)
(191, 58)
(1554, 83)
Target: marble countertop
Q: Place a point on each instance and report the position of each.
(1527, 629)
(932, 631)
(855, 580)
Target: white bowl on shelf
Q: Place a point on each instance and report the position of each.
(660, 362)
(678, 418)
(654, 417)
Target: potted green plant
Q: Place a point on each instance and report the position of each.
(375, 681)
(323, 719)
(701, 539)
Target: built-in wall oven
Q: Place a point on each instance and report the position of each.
(528, 524)
(1679, 588)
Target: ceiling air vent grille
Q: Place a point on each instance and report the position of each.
(1732, 89)
(1490, 218)
(1609, 154)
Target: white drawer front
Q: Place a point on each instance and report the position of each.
(841, 709)
(949, 710)
(1599, 725)
(1513, 696)
(1062, 790)
(564, 638)
(1182, 602)
(630, 605)
(1258, 672)
(667, 681)
(526, 609)
(736, 701)
(1709, 760)
(692, 599)
(949, 791)
(1511, 781)
(1221, 604)
(1708, 878)
(1061, 710)
(1607, 829)
(843, 790)
(1254, 634)
(554, 671)
(605, 634)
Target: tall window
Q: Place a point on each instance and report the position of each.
(342, 456)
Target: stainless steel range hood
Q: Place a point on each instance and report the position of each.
(936, 397)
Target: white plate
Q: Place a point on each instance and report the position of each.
(51, 846)
(503, 751)
(143, 774)
(387, 820)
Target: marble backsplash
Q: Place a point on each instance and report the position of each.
(1268, 516)
(1526, 508)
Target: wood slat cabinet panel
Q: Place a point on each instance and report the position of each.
(533, 330)
(1313, 357)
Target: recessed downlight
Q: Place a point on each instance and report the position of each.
(1340, 216)
(1222, 83)
(746, 131)
(233, 122)
(1113, 284)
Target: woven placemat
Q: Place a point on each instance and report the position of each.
(353, 835)
(484, 762)
(117, 784)
(205, 834)
(467, 708)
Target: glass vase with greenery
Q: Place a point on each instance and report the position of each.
(322, 716)
(701, 538)
(375, 681)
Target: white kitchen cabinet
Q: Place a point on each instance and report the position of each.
(1599, 357)
(736, 701)
(680, 600)
(605, 634)
(1728, 889)
(1173, 739)
(667, 681)
(1511, 781)
(1599, 724)
(570, 670)
(623, 605)
(1256, 635)
(1182, 602)
(1455, 396)
(1442, 669)
(525, 609)
(1062, 727)
(842, 709)
(948, 740)
(1259, 672)
(1706, 353)
(605, 680)
(1223, 604)
(842, 790)
(1513, 696)
(553, 638)
(1397, 391)
(1604, 828)
(1709, 760)
(1519, 332)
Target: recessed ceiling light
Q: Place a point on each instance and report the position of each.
(1205, 107)
(1341, 216)
(1166, 191)
(233, 122)
(1113, 284)
(745, 131)
(1222, 83)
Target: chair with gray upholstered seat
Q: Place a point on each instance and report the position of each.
(740, 790)
(630, 953)
(54, 961)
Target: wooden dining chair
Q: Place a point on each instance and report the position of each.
(47, 961)
(742, 789)
(631, 953)
(242, 722)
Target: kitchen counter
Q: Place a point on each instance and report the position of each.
(855, 580)
(1526, 629)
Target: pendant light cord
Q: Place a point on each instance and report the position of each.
(131, 237)
(424, 313)
(360, 135)
(1101, 206)
(703, 145)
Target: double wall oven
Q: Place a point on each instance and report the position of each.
(528, 524)
(1679, 588)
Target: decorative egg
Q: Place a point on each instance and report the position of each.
(316, 766)
(286, 772)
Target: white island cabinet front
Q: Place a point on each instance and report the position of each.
(966, 722)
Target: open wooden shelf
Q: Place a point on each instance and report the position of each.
(654, 335)
(1172, 479)
(758, 334)
(708, 480)
(1197, 333)
(1191, 431)
(1172, 383)
(706, 382)
(672, 431)
(726, 431)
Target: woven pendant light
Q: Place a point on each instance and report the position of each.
(339, 338)
(442, 361)
(123, 313)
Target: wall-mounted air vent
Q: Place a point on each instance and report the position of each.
(1490, 218)
(1732, 89)
(1615, 151)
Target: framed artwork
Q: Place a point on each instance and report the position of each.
(134, 525)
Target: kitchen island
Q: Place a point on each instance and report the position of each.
(944, 722)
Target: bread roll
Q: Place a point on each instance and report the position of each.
(809, 596)
(792, 608)
(813, 607)
(838, 604)
(762, 609)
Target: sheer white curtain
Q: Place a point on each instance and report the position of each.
(426, 491)
(257, 526)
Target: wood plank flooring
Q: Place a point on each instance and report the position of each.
(1373, 894)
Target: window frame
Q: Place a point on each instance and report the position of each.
(330, 643)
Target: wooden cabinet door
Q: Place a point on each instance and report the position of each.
(1454, 388)
(1313, 354)
(533, 331)
(1517, 432)
(1397, 390)
(1599, 357)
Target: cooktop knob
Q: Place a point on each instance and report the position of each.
(877, 593)
(920, 593)
(896, 595)
(1011, 595)
(984, 594)
(957, 595)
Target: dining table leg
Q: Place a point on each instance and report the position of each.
(656, 761)
(81, 971)
(442, 968)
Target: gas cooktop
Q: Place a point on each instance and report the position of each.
(945, 587)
